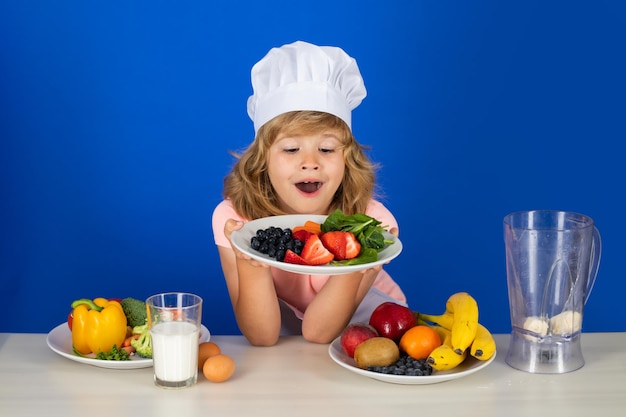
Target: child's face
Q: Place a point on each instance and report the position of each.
(306, 171)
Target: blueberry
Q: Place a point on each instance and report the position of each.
(405, 366)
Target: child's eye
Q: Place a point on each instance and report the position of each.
(327, 150)
(290, 150)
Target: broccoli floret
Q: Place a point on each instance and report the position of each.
(135, 311)
(143, 344)
(115, 354)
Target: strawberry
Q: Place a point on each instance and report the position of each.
(335, 242)
(314, 252)
(353, 247)
(343, 245)
(293, 258)
(302, 235)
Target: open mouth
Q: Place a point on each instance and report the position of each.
(309, 187)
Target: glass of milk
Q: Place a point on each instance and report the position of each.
(175, 321)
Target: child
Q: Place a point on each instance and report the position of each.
(303, 160)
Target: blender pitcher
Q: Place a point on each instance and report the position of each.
(552, 260)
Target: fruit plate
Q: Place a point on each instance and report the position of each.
(468, 367)
(60, 341)
(241, 240)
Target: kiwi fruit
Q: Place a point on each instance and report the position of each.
(376, 351)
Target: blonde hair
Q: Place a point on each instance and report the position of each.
(248, 185)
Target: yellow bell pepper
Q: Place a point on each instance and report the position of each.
(97, 325)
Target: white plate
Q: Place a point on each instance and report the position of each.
(241, 240)
(60, 340)
(468, 367)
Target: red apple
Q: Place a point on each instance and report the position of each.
(391, 320)
(354, 334)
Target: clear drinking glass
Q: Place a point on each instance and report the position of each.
(175, 320)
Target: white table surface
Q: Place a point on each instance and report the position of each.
(299, 378)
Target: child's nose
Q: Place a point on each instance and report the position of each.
(309, 161)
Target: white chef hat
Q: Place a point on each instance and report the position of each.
(303, 76)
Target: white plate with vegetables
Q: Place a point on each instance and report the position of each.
(468, 367)
(60, 341)
(242, 237)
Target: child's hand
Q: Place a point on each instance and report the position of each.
(230, 226)
(375, 269)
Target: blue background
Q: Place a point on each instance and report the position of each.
(116, 119)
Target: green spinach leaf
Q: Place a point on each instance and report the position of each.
(366, 229)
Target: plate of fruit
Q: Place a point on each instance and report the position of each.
(396, 346)
(316, 244)
(468, 367)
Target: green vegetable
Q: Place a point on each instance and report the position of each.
(115, 354)
(143, 344)
(135, 310)
(366, 229)
(366, 256)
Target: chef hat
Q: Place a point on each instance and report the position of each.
(303, 76)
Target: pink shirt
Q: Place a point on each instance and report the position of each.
(298, 290)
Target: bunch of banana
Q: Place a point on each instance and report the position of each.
(465, 333)
(444, 357)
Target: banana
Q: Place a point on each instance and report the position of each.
(484, 346)
(465, 310)
(445, 320)
(444, 357)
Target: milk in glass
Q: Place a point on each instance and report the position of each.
(179, 340)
